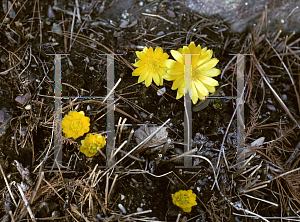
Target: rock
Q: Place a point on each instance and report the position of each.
(158, 139)
(23, 99)
(56, 28)
(50, 13)
(241, 14)
(124, 24)
(4, 121)
(6, 6)
(171, 13)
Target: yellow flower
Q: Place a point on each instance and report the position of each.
(91, 143)
(184, 199)
(201, 72)
(75, 124)
(151, 65)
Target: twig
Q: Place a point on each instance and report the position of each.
(26, 202)
(72, 28)
(158, 16)
(262, 73)
(78, 11)
(112, 90)
(138, 146)
(183, 154)
(8, 187)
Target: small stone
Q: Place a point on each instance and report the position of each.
(23, 99)
(124, 24)
(161, 33)
(171, 13)
(284, 97)
(18, 24)
(122, 208)
(141, 3)
(148, 10)
(6, 20)
(1, 116)
(139, 209)
(271, 107)
(161, 91)
(144, 115)
(50, 13)
(28, 107)
(56, 28)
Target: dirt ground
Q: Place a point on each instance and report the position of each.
(265, 188)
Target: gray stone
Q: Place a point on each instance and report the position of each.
(241, 14)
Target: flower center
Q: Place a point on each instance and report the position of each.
(94, 147)
(76, 125)
(152, 65)
(182, 199)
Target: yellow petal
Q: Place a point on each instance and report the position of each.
(210, 89)
(203, 50)
(185, 50)
(178, 56)
(178, 82)
(200, 87)
(138, 63)
(163, 57)
(156, 79)
(211, 73)
(208, 80)
(181, 89)
(210, 64)
(149, 52)
(170, 63)
(178, 96)
(187, 210)
(141, 55)
(161, 80)
(143, 76)
(161, 72)
(192, 47)
(194, 100)
(138, 71)
(158, 51)
(148, 80)
(205, 57)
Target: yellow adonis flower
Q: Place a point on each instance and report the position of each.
(201, 72)
(151, 65)
(184, 199)
(75, 124)
(91, 143)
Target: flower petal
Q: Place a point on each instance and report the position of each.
(211, 73)
(143, 76)
(178, 56)
(139, 71)
(205, 57)
(156, 79)
(178, 82)
(170, 63)
(207, 66)
(200, 87)
(149, 52)
(210, 89)
(148, 80)
(185, 50)
(208, 80)
(187, 209)
(141, 55)
(158, 51)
